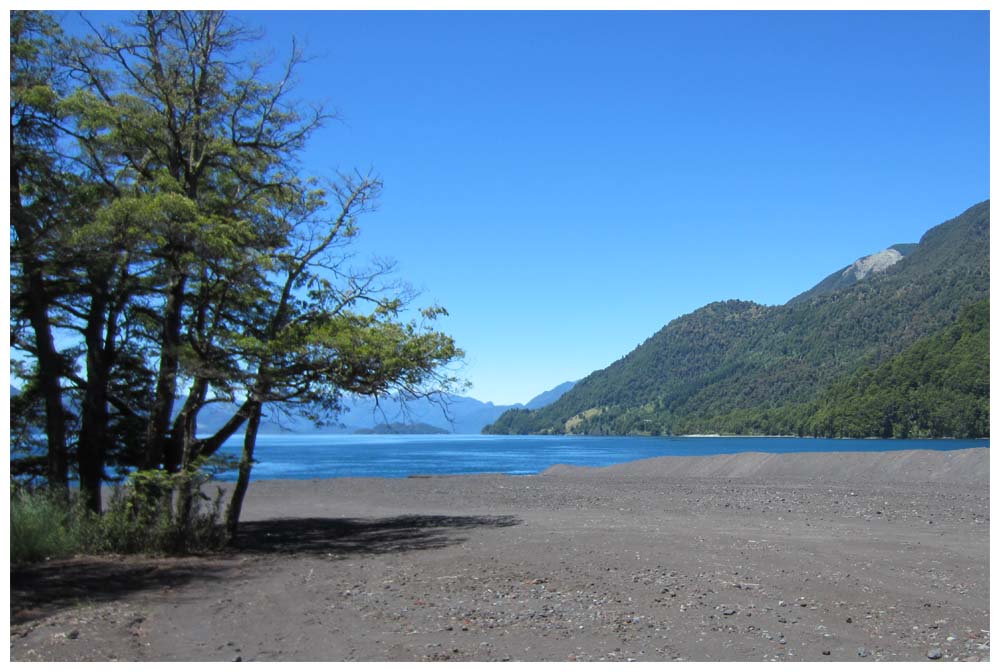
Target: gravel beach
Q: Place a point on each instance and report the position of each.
(748, 557)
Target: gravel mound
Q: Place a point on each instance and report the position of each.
(971, 465)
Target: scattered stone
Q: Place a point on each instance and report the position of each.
(850, 620)
(728, 612)
(73, 634)
(826, 652)
(238, 659)
(862, 652)
(934, 654)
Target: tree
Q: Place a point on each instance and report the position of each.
(192, 145)
(39, 195)
(205, 260)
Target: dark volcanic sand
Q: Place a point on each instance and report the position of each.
(877, 556)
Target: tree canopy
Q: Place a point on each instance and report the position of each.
(169, 253)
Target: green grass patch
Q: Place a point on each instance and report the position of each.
(41, 527)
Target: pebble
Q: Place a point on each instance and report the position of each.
(862, 652)
(934, 654)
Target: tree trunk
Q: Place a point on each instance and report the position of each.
(180, 451)
(243, 479)
(49, 375)
(209, 446)
(93, 440)
(49, 362)
(166, 381)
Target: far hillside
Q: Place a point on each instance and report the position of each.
(738, 359)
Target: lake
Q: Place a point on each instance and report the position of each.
(399, 456)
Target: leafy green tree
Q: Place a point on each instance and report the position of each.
(40, 198)
(204, 261)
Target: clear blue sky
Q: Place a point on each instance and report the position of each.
(565, 184)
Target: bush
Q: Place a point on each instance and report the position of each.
(41, 526)
(154, 512)
(157, 512)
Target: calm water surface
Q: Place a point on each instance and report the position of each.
(397, 456)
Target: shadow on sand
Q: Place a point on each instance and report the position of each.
(41, 590)
(340, 536)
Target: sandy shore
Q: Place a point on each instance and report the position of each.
(846, 556)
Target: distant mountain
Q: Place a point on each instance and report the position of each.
(703, 368)
(457, 414)
(550, 396)
(461, 415)
(402, 428)
(451, 413)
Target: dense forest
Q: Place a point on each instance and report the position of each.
(938, 387)
(740, 367)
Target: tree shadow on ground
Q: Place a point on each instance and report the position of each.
(39, 590)
(339, 536)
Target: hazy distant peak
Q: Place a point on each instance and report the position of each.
(873, 263)
(550, 396)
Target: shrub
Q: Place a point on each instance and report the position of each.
(154, 512)
(157, 512)
(41, 526)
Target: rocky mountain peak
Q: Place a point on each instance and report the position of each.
(873, 263)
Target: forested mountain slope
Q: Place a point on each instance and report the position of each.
(736, 355)
(938, 387)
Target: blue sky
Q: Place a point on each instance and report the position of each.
(567, 183)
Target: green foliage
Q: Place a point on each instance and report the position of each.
(739, 367)
(149, 515)
(41, 527)
(937, 387)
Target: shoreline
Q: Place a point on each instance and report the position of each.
(957, 464)
(846, 556)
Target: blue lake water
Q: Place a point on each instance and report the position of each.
(398, 456)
